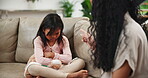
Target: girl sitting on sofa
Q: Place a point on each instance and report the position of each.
(52, 56)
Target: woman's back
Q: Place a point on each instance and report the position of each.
(133, 48)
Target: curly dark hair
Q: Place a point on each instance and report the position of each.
(106, 26)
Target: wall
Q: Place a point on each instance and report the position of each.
(77, 8)
(23, 4)
(39, 5)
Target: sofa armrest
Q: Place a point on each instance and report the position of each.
(82, 49)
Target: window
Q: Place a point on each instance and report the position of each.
(144, 9)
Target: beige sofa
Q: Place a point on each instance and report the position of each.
(16, 47)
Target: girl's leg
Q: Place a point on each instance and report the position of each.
(26, 73)
(76, 65)
(38, 70)
(66, 71)
(79, 74)
(31, 59)
(74, 68)
(39, 77)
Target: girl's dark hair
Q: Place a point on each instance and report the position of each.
(106, 26)
(52, 22)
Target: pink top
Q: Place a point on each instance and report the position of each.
(62, 51)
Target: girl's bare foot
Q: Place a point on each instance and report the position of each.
(39, 77)
(28, 76)
(79, 74)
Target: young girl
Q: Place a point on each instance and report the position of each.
(51, 46)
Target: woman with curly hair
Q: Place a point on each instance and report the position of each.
(120, 47)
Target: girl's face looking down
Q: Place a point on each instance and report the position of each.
(54, 36)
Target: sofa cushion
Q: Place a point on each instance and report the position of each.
(8, 39)
(26, 33)
(82, 49)
(69, 24)
(27, 30)
(12, 70)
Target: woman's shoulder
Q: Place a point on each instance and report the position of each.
(134, 30)
(131, 27)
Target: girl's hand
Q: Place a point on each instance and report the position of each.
(56, 66)
(49, 55)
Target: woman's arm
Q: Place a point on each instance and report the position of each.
(123, 72)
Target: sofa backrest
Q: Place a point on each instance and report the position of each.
(8, 39)
(27, 30)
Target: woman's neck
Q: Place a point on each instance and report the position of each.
(128, 17)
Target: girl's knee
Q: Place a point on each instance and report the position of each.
(32, 57)
(80, 61)
(33, 70)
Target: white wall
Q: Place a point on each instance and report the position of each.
(13, 4)
(23, 4)
(77, 8)
(39, 5)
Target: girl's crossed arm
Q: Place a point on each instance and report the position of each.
(66, 56)
(39, 54)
